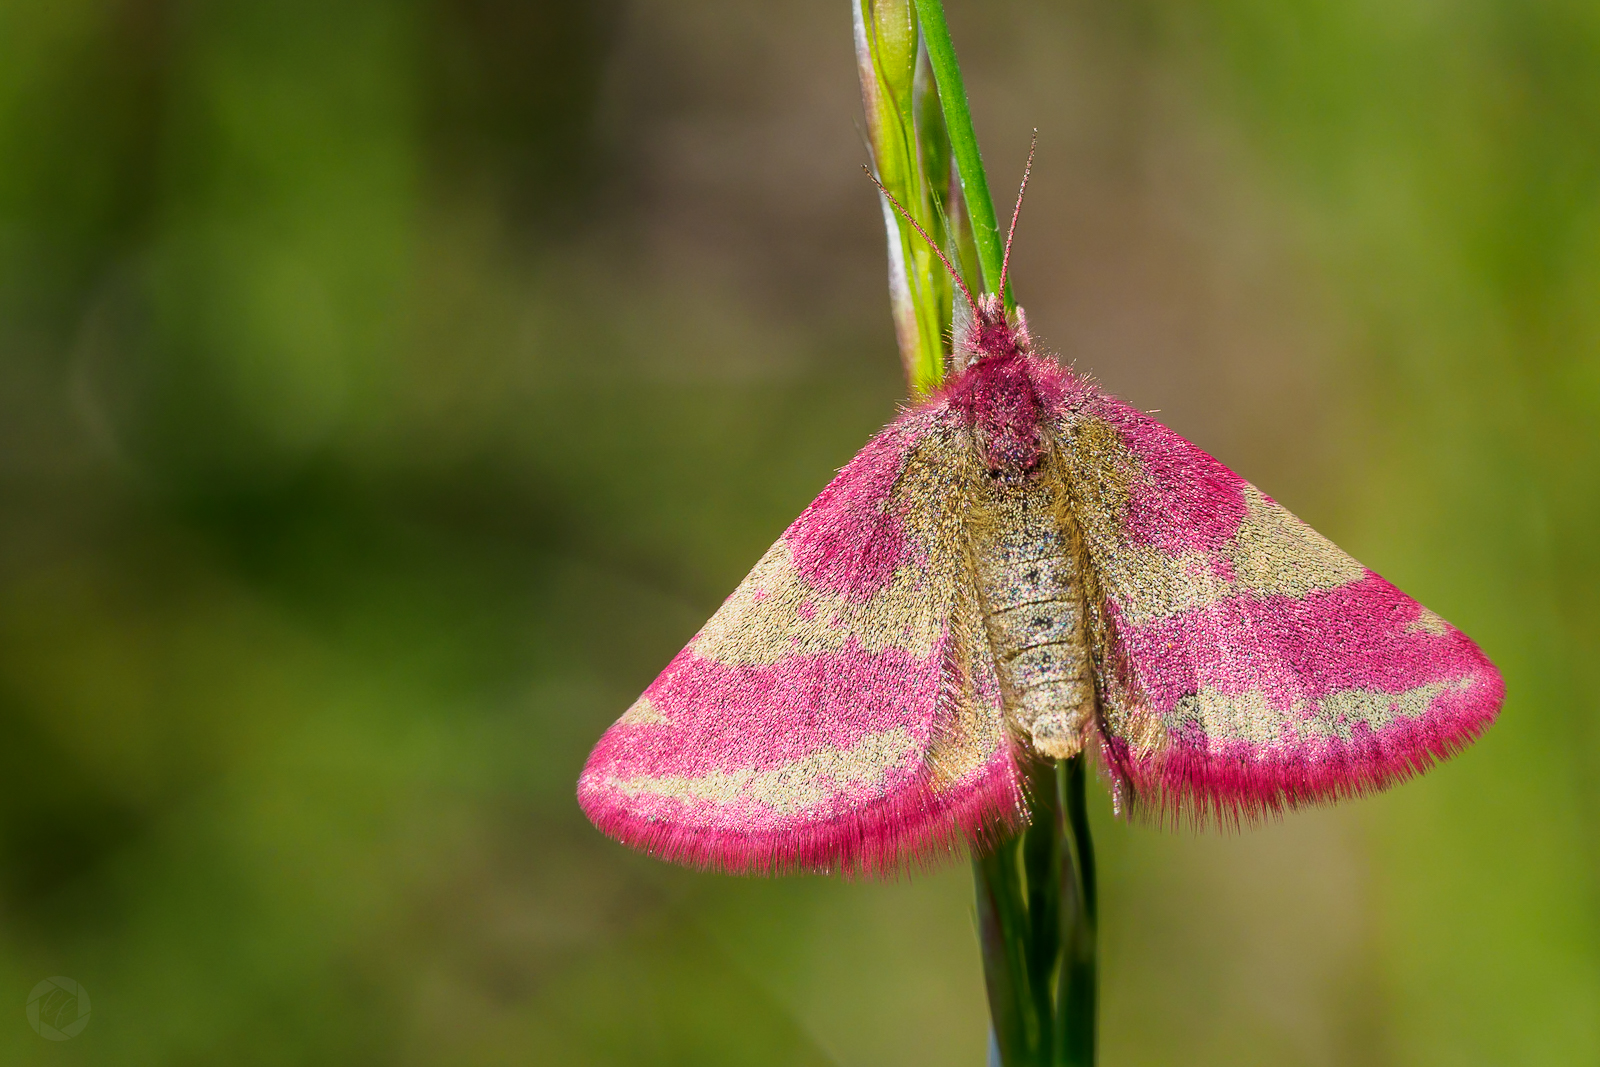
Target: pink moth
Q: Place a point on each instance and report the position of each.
(1022, 567)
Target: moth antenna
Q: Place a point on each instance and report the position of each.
(954, 274)
(1005, 263)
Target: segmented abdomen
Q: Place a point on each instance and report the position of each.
(1029, 568)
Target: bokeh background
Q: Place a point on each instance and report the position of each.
(388, 390)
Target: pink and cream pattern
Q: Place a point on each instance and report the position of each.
(1257, 666)
(843, 710)
(838, 711)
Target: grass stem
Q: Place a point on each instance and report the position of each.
(964, 144)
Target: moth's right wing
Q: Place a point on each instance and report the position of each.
(1249, 665)
(840, 711)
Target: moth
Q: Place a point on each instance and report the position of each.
(1023, 567)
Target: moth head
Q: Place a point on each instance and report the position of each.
(994, 334)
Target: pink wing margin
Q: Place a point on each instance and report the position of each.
(840, 711)
(1252, 666)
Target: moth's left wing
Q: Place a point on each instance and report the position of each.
(840, 711)
(1247, 664)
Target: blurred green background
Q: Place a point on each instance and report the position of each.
(388, 390)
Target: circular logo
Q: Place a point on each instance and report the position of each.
(58, 1009)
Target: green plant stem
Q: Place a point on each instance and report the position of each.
(1077, 996)
(1037, 921)
(1002, 933)
(1042, 856)
(964, 145)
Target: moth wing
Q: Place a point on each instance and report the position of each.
(840, 711)
(1247, 664)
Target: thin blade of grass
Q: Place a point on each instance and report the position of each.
(964, 144)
